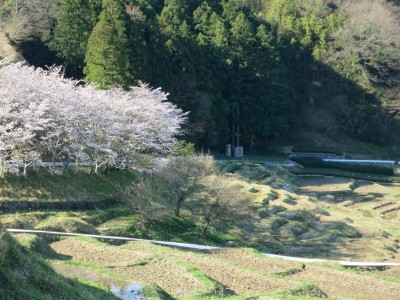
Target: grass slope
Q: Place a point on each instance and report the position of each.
(24, 275)
(42, 186)
(6, 50)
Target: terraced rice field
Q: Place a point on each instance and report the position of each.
(235, 272)
(309, 216)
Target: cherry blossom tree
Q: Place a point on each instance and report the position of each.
(44, 116)
(23, 120)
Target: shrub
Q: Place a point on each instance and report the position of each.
(193, 183)
(341, 229)
(276, 222)
(294, 229)
(320, 211)
(276, 209)
(184, 148)
(303, 216)
(273, 195)
(289, 200)
(253, 190)
(308, 290)
(353, 185)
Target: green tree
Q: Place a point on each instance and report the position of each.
(108, 57)
(202, 23)
(71, 33)
(283, 16)
(210, 27)
(243, 37)
(174, 24)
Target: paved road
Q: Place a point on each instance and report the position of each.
(205, 247)
(271, 161)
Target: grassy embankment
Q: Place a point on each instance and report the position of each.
(115, 219)
(24, 275)
(43, 186)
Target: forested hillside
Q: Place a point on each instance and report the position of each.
(305, 71)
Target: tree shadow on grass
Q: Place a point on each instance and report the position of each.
(27, 276)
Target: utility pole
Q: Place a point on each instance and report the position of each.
(233, 131)
(237, 136)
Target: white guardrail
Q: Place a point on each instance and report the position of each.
(285, 164)
(204, 247)
(50, 164)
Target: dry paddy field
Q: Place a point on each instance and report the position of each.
(239, 273)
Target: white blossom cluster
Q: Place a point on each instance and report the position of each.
(45, 116)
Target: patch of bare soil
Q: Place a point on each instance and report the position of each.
(236, 278)
(349, 285)
(236, 269)
(166, 274)
(325, 184)
(94, 253)
(242, 257)
(390, 273)
(140, 265)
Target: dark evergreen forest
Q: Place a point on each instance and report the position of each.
(257, 71)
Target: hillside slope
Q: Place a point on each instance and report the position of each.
(271, 72)
(311, 216)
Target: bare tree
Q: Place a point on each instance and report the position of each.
(193, 181)
(28, 18)
(370, 42)
(220, 201)
(182, 177)
(146, 198)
